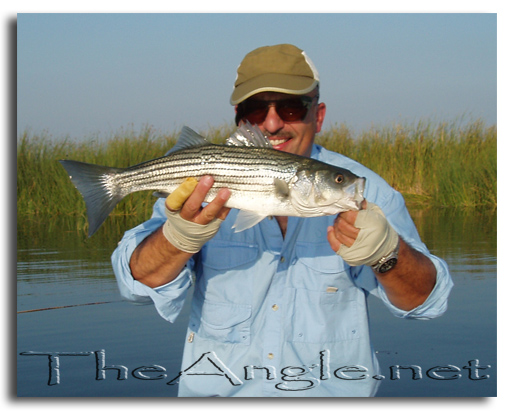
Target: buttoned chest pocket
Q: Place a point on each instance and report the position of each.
(226, 323)
(326, 302)
(226, 272)
(222, 303)
(228, 255)
(320, 317)
(318, 268)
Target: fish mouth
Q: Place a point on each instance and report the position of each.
(355, 192)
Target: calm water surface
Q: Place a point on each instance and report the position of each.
(62, 335)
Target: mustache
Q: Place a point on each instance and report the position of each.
(280, 134)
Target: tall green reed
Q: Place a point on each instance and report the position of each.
(43, 187)
(444, 164)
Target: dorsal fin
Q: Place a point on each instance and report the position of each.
(188, 138)
(248, 136)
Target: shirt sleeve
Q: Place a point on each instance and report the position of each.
(436, 303)
(393, 205)
(168, 298)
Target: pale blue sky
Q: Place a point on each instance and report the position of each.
(81, 75)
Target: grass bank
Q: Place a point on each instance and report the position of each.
(443, 165)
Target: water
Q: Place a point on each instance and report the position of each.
(138, 352)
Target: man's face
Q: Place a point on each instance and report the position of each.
(294, 137)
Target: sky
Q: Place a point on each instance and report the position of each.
(86, 75)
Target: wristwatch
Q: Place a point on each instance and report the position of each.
(388, 262)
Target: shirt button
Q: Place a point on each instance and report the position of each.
(271, 356)
(274, 307)
(282, 259)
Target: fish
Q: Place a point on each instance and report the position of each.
(263, 181)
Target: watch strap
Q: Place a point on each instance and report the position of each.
(387, 262)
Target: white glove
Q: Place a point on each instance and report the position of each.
(375, 240)
(186, 235)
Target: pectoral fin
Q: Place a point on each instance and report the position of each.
(246, 220)
(281, 188)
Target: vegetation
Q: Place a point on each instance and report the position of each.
(441, 165)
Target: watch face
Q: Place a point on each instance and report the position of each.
(386, 266)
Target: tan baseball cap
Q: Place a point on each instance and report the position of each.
(283, 68)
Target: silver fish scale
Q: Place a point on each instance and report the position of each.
(239, 168)
(262, 181)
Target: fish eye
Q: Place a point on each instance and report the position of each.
(339, 178)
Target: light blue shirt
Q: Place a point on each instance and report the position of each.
(274, 316)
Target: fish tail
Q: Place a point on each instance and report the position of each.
(97, 187)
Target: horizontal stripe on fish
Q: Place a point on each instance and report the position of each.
(262, 180)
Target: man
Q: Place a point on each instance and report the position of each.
(280, 309)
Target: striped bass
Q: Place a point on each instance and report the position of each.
(262, 181)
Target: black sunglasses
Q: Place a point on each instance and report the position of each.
(289, 109)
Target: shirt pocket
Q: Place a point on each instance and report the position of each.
(319, 257)
(226, 272)
(318, 268)
(320, 317)
(325, 302)
(228, 255)
(222, 322)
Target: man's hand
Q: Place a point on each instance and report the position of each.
(178, 197)
(365, 236)
(189, 228)
(157, 260)
(362, 237)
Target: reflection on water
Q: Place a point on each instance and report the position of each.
(460, 237)
(58, 267)
(467, 331)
